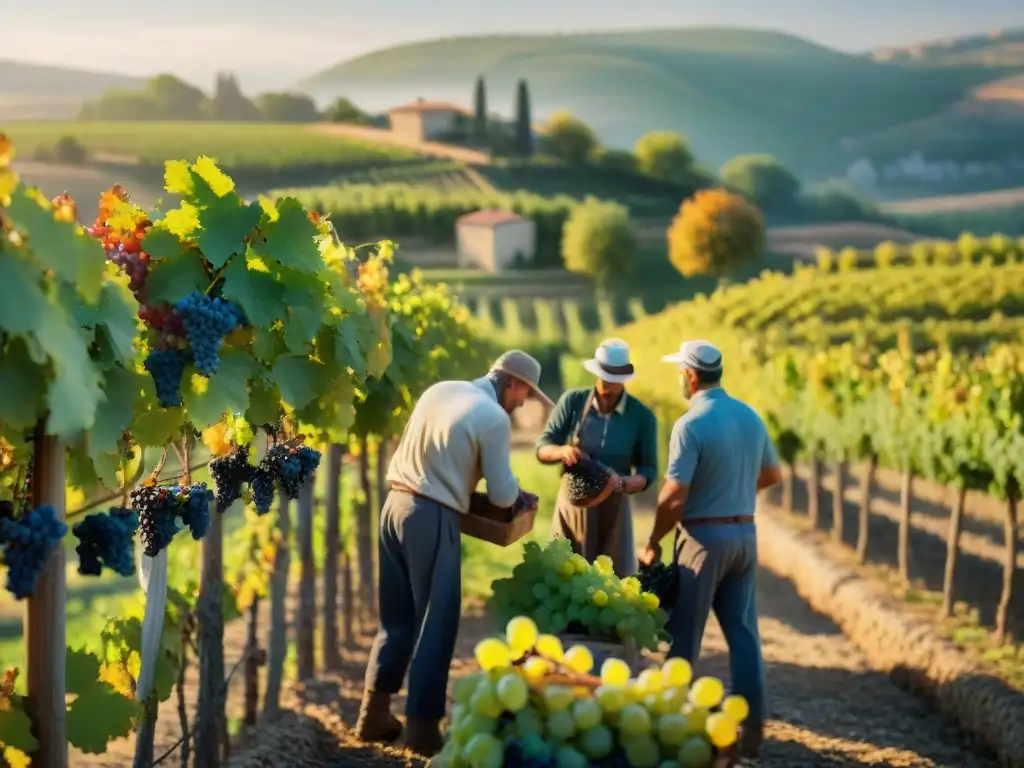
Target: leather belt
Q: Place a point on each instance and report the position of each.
(403, 489)
(734, 520)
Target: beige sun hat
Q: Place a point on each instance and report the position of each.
(524, 367)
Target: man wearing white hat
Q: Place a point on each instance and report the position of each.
(720, 457)
(609, 426)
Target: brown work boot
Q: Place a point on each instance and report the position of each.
(423, 736)
(376, 723)
(751, 739)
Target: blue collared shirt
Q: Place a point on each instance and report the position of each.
(718, 448)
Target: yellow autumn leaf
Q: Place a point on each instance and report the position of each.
(217, 180)
(177, 177)
(182, 221)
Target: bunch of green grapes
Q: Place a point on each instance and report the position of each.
(562, 592)
(536, 705)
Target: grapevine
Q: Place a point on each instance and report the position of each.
(27, 542)
(158, 517)
(230, 474)
(194, 507)
(207, 321)
(105, 540)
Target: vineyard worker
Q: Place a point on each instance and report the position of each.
(458, 433)
(720, 457)
(609, 426)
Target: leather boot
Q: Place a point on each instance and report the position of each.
(751, 739)
(423, 736)
(376, 723)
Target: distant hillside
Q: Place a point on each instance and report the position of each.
(999, 48)
(729, 90)
(36, 91)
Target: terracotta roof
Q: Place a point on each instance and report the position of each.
(429, 106)
(489, 218)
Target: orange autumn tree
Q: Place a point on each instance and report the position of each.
(715, 232)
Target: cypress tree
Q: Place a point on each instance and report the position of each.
(524, 127)
(480, 111)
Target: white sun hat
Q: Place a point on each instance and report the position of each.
(697, 355)
(611, 362)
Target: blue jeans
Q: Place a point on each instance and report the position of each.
(718, 571)
(419, 601)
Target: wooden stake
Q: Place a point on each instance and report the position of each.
(278, 642)
(45, 618)
(1009, 569)
(903, 545)
(332, 557)
(867, 485)
(838, 501)
(210, 613)
(306, 625)
(952, 551)
(814, 492)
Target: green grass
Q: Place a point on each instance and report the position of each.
(729, 90)
(231, 144)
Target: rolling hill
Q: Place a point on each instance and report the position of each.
(37, 91)
(729, 90)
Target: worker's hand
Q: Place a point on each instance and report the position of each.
(634, 484)
(649, 555)
(570, 454)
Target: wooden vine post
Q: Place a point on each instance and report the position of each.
(306, 624)
(210, 712)
(906, 504)
(838, 500)
(277, 645)
(814, 490)
(45, 619)
(956, 517)
(867, 485)
(1009, 566)
(364, 538)
(330, 652)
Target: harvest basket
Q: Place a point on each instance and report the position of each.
(494, 525)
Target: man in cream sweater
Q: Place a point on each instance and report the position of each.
(459, 433)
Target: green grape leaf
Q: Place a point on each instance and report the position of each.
(21, 384)
(73, 256)
(16, 727)
(155, 427)
(264, 403)
(118, 322)
(122, 390)
(207, 399)
(268, 344)
(258, 293)
(22, 303)
(225, 227)
(292, 238)
(99, 713)
(299, 379)
(161, 244)
(304, 298)
(74, 390)
(175, 278)
(347, 348)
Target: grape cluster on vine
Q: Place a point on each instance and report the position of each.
(167, 366)
(27, 542)
(207, 320)
(157, 509)
(107, 540)
(194, 507)
(262, 485)
(231, 474)
(562, 592)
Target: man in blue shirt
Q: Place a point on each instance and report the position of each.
(720, 457)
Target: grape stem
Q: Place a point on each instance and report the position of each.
(155, 475)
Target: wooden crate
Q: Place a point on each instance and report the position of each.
(496, 526)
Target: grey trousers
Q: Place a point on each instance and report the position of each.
(718, 571)
(420, 602)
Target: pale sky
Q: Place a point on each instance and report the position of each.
(274, 44)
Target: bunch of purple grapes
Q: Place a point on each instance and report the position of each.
(135, 265)
(27, 541)
(157, 509)
(194, 508)
(262, 485)
(207, 321)
(297, 465)
(230, 474)
(106, 540)
(167, 366)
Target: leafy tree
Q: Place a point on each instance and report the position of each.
(287, 107)
(175, 99)
(480, 111)
(229, 103)
(599, 241)
(715, 232)
(616, 160)
(764, 180)
(524, 123)
(344, 111)
(569, 139)
(664, 155)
